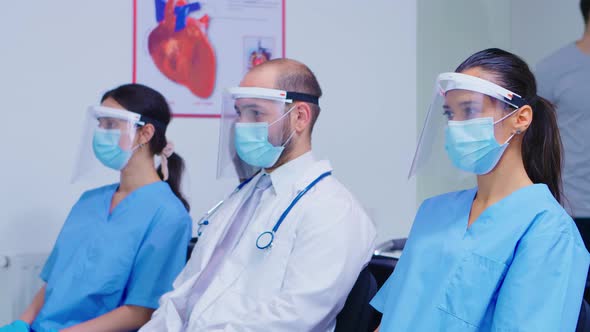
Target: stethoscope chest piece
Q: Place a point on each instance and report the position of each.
(200, 227)
(265, 240)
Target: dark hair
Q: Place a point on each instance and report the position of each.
(296, 77)
(585, 8)
(154, 109)
(541, 146)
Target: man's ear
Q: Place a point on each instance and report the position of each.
(302, 116)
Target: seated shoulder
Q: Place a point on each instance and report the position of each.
(450, 197)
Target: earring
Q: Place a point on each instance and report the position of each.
(518, 131)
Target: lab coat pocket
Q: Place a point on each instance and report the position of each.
(265, 268)
(472, 287)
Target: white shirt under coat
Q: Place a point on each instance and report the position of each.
(301, 283)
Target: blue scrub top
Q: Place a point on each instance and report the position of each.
(102, 261)
(521, 266)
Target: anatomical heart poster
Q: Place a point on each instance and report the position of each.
(191, 51)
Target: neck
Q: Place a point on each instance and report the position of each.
(508, 176)
(584, 43)
(291, 154)
(138, 173)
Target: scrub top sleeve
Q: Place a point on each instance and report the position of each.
(160, 259)
(49, 264)
(543, 288)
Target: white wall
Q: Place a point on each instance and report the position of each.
(540, 27)
(60, 56)
(365, 58)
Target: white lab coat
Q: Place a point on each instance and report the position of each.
(300, 283)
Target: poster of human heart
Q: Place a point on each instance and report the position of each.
(191, 51)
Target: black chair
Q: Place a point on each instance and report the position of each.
(357, 315)
(584, 318)
(583, 225)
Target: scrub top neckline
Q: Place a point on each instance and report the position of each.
(483, 215)
(125, 201)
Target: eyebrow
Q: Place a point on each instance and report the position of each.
(463, 103)
(247, 106)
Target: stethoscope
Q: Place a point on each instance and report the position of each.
(265, 239)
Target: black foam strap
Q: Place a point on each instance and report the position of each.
(297, 96)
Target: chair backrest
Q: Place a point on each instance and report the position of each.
(381, 268)
(383, 263)
(584, 318)
(357, 314)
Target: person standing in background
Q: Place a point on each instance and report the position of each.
(564, 79)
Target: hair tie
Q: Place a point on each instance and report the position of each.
(168, 149)
(164, 155)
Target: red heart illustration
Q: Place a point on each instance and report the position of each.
(186, 56)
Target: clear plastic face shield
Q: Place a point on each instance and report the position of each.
(464, 132)
(255, 129)
(108, 143)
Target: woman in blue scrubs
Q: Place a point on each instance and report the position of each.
(122, 245)
(505, 255)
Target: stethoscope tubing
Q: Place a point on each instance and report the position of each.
(269, 234)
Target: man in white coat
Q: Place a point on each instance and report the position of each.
(284, 250)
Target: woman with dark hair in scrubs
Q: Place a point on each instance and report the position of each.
(123, 244)
(505, 255)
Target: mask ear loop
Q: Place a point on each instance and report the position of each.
(282, 116)
(139, 145)
(279, 119)
(504, 118)
(289, 139)
(138, 125)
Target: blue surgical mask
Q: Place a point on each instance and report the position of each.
(253, 146)
(107, 150)
(471, 145)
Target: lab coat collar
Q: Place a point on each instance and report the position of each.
(285, 178)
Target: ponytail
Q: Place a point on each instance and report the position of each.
(175, 173)
(541, 147)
